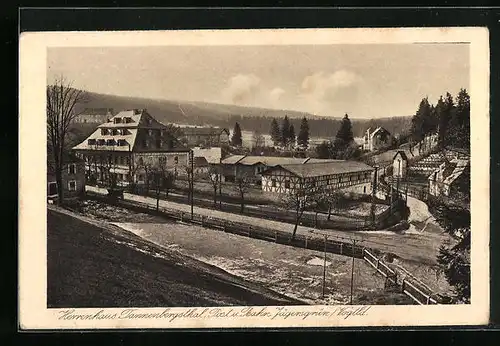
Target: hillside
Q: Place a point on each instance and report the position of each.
(249, 118)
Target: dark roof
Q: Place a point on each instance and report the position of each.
(207, 131)
(324, 168)
(403, 155)
(200, 161)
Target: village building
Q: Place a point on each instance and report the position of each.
(451, 179)
(128, 146)
(399, 165)
(251, 167)
(205, 136)
(73, 178)
(341, 175)
(375, 139)
(94, 115)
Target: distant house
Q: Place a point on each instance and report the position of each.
(375, 139)
(73, 178)
(342, 175)
(94, 115)
(399, 165)
(205, 136)
(252, 166)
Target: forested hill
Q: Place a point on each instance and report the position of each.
(249, 118)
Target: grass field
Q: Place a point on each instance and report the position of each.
(91, 266)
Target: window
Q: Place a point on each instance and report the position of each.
(111, 142)
(340, 179)
(52, 188)
(103, 132)
(72, 185)
(128, 120)
(101, 141)
(364, 189)
(115, 132)
(176, 159)
(140, 162)
(162, 160)
(273, 182)
(162, 133)
(118, 120)
(145, 143)
(150, 132)
(71, 168)
(287, 184)
(91, 142)
(159, 143)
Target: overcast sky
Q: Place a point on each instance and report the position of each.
(367, 81)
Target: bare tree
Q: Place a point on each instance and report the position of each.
(300, 198)
(215, 179)
(329, 199)
(243, 185)
(62, 101)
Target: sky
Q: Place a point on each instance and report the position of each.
(364, 80)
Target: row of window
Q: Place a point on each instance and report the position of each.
(52, 187)
(329, 181)
(124, 120)
(159, 143)
(107, 142)
(114, 132)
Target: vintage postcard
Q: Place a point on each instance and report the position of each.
(254, 178)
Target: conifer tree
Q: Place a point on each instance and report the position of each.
(303, 137)
(291, 138)
(236, 139)
(344, 135)
(275, 132)
(285, 131)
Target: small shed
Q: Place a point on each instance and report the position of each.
(399, 165)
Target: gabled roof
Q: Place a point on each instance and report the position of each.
(378, 129)
(200, 161)
(321, 169)
(403, 155)
(140, 119)
(231, 160)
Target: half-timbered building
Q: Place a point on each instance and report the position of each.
(251, 167)
(319, 176)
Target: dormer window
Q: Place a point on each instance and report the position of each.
(118, 120)
(101, 142)
(91, 142)
(103, 132)
(127, 120)
(110, 142)
(122, 142)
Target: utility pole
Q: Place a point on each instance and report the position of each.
(191, 182)
(324, 269)
(220, 189)
(352, 269)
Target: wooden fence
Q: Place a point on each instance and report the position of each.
(327, 243)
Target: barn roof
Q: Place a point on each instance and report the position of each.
(322, 168)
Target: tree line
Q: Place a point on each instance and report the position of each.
(449, 118)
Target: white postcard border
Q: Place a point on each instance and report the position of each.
(33, 312)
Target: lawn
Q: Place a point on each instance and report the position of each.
(92, 266)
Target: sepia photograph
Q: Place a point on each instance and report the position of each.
(255, 178)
